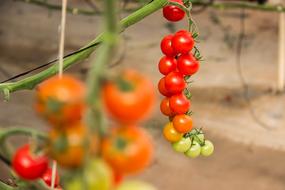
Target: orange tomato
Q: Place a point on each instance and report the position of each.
(130, 98)
(128, 149)
(61, 100)
(182, 123)
(170, 133)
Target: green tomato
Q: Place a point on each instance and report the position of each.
(208, 148)
(135, 185)
(194, 151)
(199, 138)
(182, 146)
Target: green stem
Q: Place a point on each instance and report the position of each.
(4, 186)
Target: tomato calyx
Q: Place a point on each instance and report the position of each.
(124, 85)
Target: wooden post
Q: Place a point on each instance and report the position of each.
(281, 59)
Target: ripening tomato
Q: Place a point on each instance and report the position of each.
(162, 89)
(68, 147)
(173, 13)
(47, 178)
(165, 108)
(175, 83)
(166, 46)
(167, 65)
(128, 149)
(179, 104)
(170, 133)
(61, 100)
(187, 64)
(130, 98)
(28, 165)
(182, 123)
(182, 42)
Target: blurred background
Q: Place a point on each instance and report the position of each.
(234, 94)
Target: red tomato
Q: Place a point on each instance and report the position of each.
(47, 178)
(128, 149)
(165, 108)
(130, 98)
(175, 83)
(161, 87)
(167, 65)
(182, 42)
(182, 123)
(166, 46)
(27, 165)
(179, 104)
(118, 178)
(173, 13)
(187, 64)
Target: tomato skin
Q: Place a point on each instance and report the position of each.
(175, 83)
(173, 13)
(165, 108)
(187, 64)
(128, 149)
(27, 165)
(194, 151)
(57, 101)
(167, 65)
(179, 104)
(170, 134)
(182, 123)
(166, 46)
(47, 178)
(182, 42)
(182, 145)
(162, 89)
(132, 105)
(207, 149)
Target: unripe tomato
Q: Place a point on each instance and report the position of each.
(187, 64)
(207, 148)
(28, 165)
(175, 83)
(182, 145)
(47, 178)
(194, 151)
(182, 42)
(162, 89)
(135, 185)
(130, 98)
(165, 108)
(167, 65)
(182, 123)
(170, 133)
(61, 100)
(166, 46)
(173, 13)
(179, 104)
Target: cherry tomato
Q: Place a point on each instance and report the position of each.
(173, 13)
(182, 145)
(166, 46)
(47, 178)
(118, 178)
(182, 42)
(68, 147)
(135, 185)
(165, 108)
(182, 123)
(167, 65)
(187, 64)
(207, 148)
(130, 98)
(174, 82)
(128, 149)
(61, 100)
(28, 165)
(194, 151)
(179, 104)
(170, 133)
(162, 89)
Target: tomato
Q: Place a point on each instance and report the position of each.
(128, 149)
(165, 108)
(28, 165)
(182, 145)
(187, 64)
(61, 100)
(68, 147)
(135, 185)
(194, 151)
(170, 133)
(162, 89)
(179, 104)
(207, 148)
(182, 42)
(166, 46)
(175, 83)
(47, 178)
(167, 65)
(118, 178)
(173, 13)
(199, 138)
(182, 123)
(130, 98)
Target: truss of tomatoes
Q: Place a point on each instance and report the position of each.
(177, 65)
